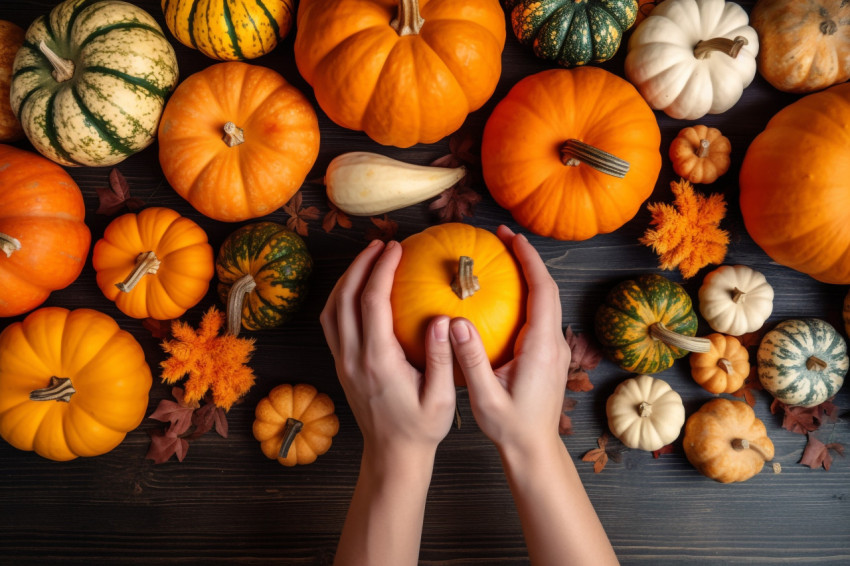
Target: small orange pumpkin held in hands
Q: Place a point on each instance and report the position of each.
(154, 264)
(44, 240)
(700, 154)
(458, 270)
(722, 369)
(295, 424)
(237, 141)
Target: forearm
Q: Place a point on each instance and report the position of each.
(384, 521)
(558, 520)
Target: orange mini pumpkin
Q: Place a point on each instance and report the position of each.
(700, 154)
(154, 264)
(571, 153)
(237, 141)
(722, 369)
(438, 274)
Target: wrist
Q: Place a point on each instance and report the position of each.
(410, 465)
(526, 458)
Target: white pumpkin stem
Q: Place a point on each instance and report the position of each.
(146, 263)
(703, 150)
(575, 152)
(63, 69)
(59, 389)
(815, 364)
(290, 431)
(690, 343)
(828, 27)
(737, 295)
(8, 244)
(465, 284)
(645, 409)
(730, 47)
(725, 365)
(233, 134)
(744, 444)
(235, 300)
(409, 19)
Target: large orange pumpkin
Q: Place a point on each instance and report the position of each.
(433, 279)
(795, 186)
(72, 383)
(43, 237)
(403, 71)
(571, 153)
(237, 141)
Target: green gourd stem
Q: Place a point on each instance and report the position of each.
(575, 152)
(290, 431)
(658, 331)
(235, 300)
(815, 364)
(730, 47)
(409, 19)
(8, 244)
(59, 389)
(233, 135)
(703, 150)
(725, 365)
(146, 263)
(645, 409)
(737, 295)
(63, 69)
(465, 283)
(739, 444)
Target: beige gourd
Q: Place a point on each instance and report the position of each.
(645, 413)
(361, 183)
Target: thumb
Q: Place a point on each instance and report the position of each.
(472, 358)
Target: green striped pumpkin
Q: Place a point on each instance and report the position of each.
(572, 32)
(647, 323)
(229, 30)
(802, 362)
(269, 267)
(104, 100)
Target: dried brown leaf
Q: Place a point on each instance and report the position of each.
(164, 445)
(116, 196)
(158, 328)
(455, 203)
(335, 217)
(599, 456)
(584, 356)
(384, 229)
(668, 449)
(817, 454)
(803, 420)
(299, 216)
(565, 425)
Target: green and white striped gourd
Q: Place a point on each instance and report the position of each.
(802, 362)
(90, 82)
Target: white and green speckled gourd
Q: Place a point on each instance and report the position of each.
(90, 82)
(802, 362)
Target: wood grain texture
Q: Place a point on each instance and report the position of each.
(227, 504)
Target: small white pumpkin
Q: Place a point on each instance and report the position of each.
(690, 58)
(645, 413)
(735, 299)
(802, 362)
(365, 184)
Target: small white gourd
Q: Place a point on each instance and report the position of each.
(645, 413)
(735, 300)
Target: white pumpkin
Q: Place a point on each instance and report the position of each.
(690, 58)
(645, 413)
(735, 299)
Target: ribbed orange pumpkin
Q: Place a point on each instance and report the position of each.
(237, 141)
(571, 153)
(43, 237)
(376, 66)
(423, 288)
(154, 264)
(795, 186)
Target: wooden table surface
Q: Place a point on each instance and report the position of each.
(227, 504)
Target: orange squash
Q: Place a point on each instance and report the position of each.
(154, 264)
(72, 383)
(700, 154)
(237, 141)
(571, 153)
(795, 186)
(11, 39)
(722, 369)
(438, 274)
(44, 240)
(403, 71)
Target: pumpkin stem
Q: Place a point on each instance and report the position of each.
(828, 27)
(8, 244)
(575, 152)
(409, 20)
(730, 47)
(703, 148)
(465, 283)
(233, 134)
(235, 300)
(645, 409)
(815, 364)
(290, 431)
(737, 295)
(658, 331)
(744, 444)
(725, 365)
(63, 69)
(146, 262)
(59, 389)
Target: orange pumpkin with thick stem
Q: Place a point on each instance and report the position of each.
(403, 71)
(571, 153)
(700, 154)
(237, 141)
(44, 240)
(154, 264)
(724, 367)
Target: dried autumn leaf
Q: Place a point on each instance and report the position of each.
(158, 328)
(751, 384)
(384, 229)
(565, 425)
(668, 449)
(180, 416)
(802, 420)
(817, 453)
(584, 356)
(164, 445)
(455, 203)
(599, 456)
(335, 216)
(116, 196)
(299, 216)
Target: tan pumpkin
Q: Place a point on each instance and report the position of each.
(700, 154)
(722, 369)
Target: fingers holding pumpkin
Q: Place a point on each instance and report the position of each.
(375, 308)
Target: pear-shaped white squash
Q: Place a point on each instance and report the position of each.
(645, 413)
